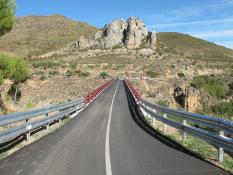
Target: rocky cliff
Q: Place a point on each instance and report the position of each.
(131, 34)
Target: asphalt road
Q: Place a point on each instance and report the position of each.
(106, 138)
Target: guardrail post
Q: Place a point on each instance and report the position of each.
(220, 150)
(184, 134)
(153, 119)
(28, 136)
(164, 125)
(47, 127)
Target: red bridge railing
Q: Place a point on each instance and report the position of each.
(91, 95)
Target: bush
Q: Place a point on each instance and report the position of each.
(43, 77)
(84, 74)
(163, 103)
(152, 74)
(210, 84)
(1, 78)
(181, 75)
(14, 92)
(223, 109)
(45, 64)
(104, 75)
(69, 73)
(7, 8)
(15, 69)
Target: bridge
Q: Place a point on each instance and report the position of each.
(107, 135)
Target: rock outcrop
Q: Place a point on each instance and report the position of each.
(136, 33)
(130, 34)
(113, 33)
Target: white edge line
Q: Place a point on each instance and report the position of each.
(107, 150)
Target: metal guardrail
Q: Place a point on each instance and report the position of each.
(216, 136)
(31, 120)
(61, 111)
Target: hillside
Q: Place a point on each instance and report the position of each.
(33, 35)
(195, 48)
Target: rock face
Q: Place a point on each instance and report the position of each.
(131, 34)
(136, 33)
(84, 43)
(113, 33)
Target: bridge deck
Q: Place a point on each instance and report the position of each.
(79, 147)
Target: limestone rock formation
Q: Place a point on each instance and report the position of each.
(130, 34)
(136, 33)
(113, 33)
(84, 43)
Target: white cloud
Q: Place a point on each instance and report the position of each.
(193, 23)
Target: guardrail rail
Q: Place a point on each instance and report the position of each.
(217, 131)
(24, 123)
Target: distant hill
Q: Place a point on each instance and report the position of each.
(194, 47)
(33, 35)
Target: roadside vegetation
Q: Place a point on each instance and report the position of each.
(7, 9)
(15, 69)
(209, 84)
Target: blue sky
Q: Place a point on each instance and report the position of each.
(208, 19)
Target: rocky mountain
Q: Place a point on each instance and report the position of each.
(34, 35)
(130, 34)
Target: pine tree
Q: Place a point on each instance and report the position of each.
(7, 11)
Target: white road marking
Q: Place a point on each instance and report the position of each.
(107, 150)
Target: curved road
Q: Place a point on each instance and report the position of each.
(106, 138)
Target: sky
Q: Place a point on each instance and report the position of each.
(211, 20)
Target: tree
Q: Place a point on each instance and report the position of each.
(7, 11)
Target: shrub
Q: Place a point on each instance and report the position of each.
(231, 86)
(14, 92)
(84, 74)
(210, 84)
(15, 69)
(53, 72)
(181, 75)
(152, 74)
(43, 77)
(69, 73)
(7, 8)
(163, 103)
(45, 64)
(223, 109)
(104, 75)
(1, 78)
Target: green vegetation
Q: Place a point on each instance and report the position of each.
(163, 103)
(30, 105)
(15, 69)
(43, 77)
(181, 75)
(224, 109)
(7, 9)
(195, 48)
(104, 75)
(1, 78)
(84, 74)
(152, 74)
(46, 64)
(210, 84)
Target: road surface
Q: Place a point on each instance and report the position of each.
(105, 139)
